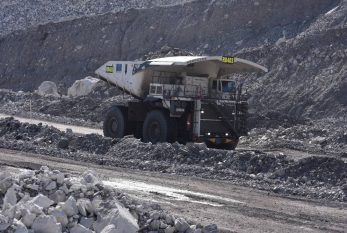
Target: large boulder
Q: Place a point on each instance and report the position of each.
(120, 217)
(48, 88)
(46, 224)
(82, 87)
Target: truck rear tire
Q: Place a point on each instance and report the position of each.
(114, 123)
(156, 127)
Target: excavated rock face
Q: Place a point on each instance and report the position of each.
(307, 75)
(303, 48)
(18, 14)
(58, 52)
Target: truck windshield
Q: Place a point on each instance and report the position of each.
(228, 86)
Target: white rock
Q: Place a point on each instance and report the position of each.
(70, 206)
(120, 217)
(64, 189)
(89, 177)
(170, 229)
(4, 222)
(87, 222)
(110, 229)
(154, 215)
(10, 198)
(96, 203)
(33, 208)
(42, 201)
(6, 182)
(46, 224)
(155, 225)
(181, 225)
(21, 228)
(169, 219)
(33, 187)
(52, 185)
(60, 216)
(26, 174)
(82, 87)
(84, 205)
(28, 217)
(60, 178)
(48, 88)
(78, 228)
(58, 196)
(76, 186)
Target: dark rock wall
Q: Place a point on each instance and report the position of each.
(66, 51)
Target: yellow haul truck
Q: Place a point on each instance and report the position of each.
(182, 98)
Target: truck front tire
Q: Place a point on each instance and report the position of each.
(114, 123)
(156, 127)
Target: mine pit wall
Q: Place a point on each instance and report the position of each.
(70, 50)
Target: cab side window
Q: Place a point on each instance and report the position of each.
(119, 68)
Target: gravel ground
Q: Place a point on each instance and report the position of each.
(312, 177)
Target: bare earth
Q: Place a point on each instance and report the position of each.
(233, 208)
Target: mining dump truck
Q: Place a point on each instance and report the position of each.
(182, 98)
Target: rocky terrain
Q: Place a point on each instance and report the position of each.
(284, 37)
(313, 177)
(298, 107)
(49, 201)
(20, 15)
(327, 137)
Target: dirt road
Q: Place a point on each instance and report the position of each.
(62, 127)
(234, 208)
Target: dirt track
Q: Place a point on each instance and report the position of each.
(234, 208)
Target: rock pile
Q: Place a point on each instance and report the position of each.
(267, 171)
(49, 201)
(327, 136)
(83, 110)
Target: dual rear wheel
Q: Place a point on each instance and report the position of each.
(157, 127)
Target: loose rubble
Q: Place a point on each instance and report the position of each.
(327, 136)
(83, 110)
(85, 205)
(313, 177)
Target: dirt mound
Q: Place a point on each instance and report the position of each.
(316, 169)
(84, 110)
(322, 136)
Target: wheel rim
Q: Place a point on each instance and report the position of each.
(154, 131)
(114, 125)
